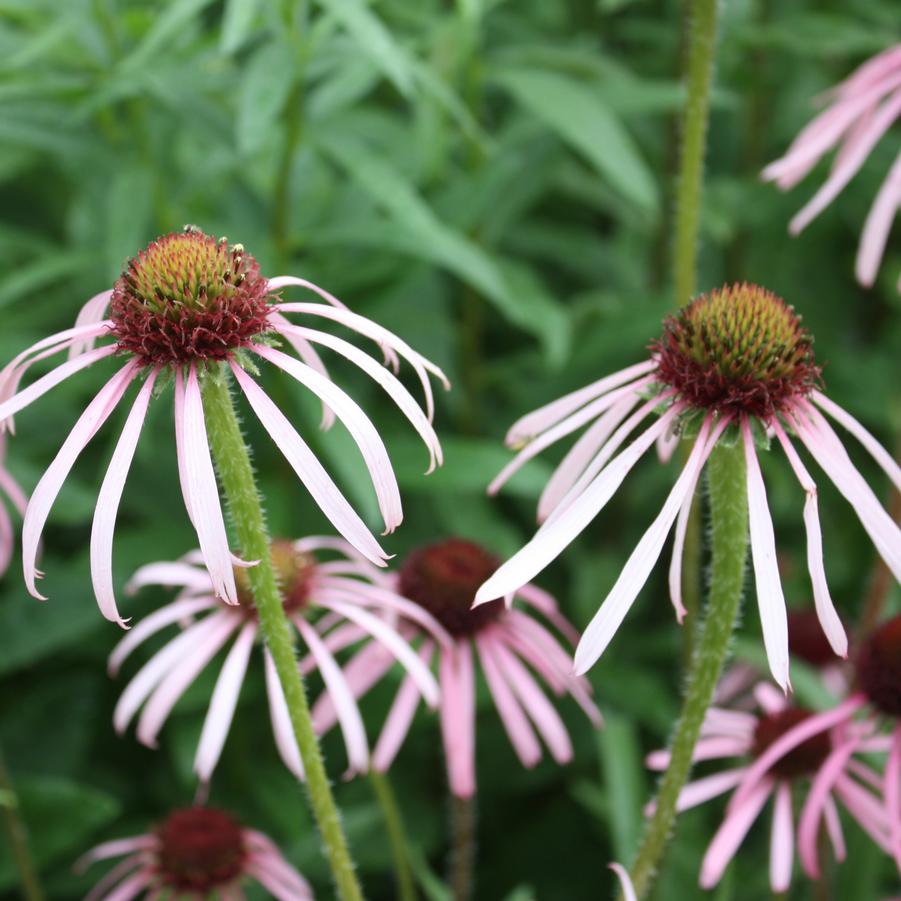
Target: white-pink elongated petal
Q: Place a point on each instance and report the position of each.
(349, 718)
(308, 354)
(731, 834)
(309, 470)
(458, 717)
(175, 612)
(94, 415)
(769, 699)
(133, 886)
(546, 605)
(282, 729)
(667, 444)
(851, 161)
(834, 830)
(204, 493)
(622, 398)
(782, 850)
(266, 853)
(170, 575)
(155, 669)
(92, 313)
(826, 612)
(223, 702)
(542, 713)
(815, 805)
(104, 525)
(702, 790)
(577, 459)
(176, 682)
(11, 488)
(45, 383)
(7, 537)
(770, 600)
(624, 881)
(553, 537)
(115, 848)
(402, 652)
(873, 70)
(866, 808)
(888, 465)
(711, 747)
(793, 738)
(893, 795)
(357, 423)
(516, 724)
(877, 226)
(641, 561)
(392, 386)
(179, 407)
(527, 427)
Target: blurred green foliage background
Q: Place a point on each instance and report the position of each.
(492, 180)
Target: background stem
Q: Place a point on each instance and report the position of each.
(17, 833)
(232, 458)
(729, 532)
(463, 847)
(397, 835)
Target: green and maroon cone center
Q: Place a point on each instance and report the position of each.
(444, 577)
(800, 761)
(878, 667)
(200, 850)
(293, 571)
(739, 349)
(189, 297)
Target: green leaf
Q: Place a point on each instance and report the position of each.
(236, 22)
(374, 39)
(33, 277)
(266, 85)
(166, 27)
(620, 754)
(580, 117)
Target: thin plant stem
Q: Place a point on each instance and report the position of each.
(232, 459)
(726, 472)
(17, 833)
(397, 835)
(463, 847)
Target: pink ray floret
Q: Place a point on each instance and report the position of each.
(12, 494)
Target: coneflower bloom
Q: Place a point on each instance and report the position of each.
(11, 492)
(735, 364)
(861, 110)
(331, 603)
(789, 752)
(188, 307)
(197, 853)
(510, 646)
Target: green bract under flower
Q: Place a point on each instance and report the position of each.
(740, 349)
(293, 569)
(189, 297)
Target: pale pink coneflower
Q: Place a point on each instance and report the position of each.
(196, 852)
(186, 308)
(734, 364)
(331, 603)
(10, 490)
(513, 649)
(791, 754)
(860, 112)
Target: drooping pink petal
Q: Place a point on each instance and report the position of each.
(7, 538)
(867, 809)
(826, 612)
(122, 869)
(94, 415)
(357, 423)
(834, 830)
(702, 790)
(641, 561)
(200, 484)
(769, 700)
(782, 850)
(92, 313)
(177, 574)
(132, 887)
(108, 499)
(281, 719)
(878, 224)
(546, 605)
(115, 848)
(552, 538)
(893, 795)
(770, 600)
(712, 748)
(310, 471)
(458, 717)
(624, 881)
(349, 718)
(179, 407)
(731, 834)
(266, 853)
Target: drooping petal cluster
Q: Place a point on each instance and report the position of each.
(788, 754)
(197, 852)
(734, 364)
(513, 649)
(332, 603)
(12, 494)
(860, 112)
(191, 307)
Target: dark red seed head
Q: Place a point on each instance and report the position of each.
(293, 570)
(878, 667)
(444, 578)
(200, 850)
(806, 639)
(803, 760)
(189, 297)
(740, 349)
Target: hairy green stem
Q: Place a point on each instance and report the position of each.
(463, 847)
(397, 835)
(729, 533)
(232, 458)
(17, 833)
